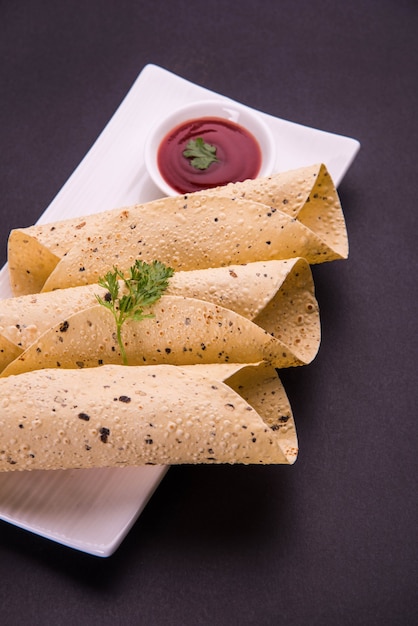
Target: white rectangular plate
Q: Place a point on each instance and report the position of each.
(93, 510)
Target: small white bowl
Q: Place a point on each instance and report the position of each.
(222, 108)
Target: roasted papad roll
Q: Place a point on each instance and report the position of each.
(123, 416)
(259, 311)
(295, 214)
(182, 331)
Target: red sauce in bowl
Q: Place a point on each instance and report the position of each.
(237, 151)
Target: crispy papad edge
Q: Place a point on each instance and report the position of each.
(300, 318)
(9, 351)
(322, 213)
(286, 191)
(29, 263)
(154, 415)
(308, 194)
(261, 386)
(47, 242)
(20, 327)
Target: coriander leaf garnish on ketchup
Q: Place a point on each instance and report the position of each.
(208, 152)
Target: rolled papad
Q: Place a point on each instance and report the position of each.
(277, 295)
(118, 416)
(307, 193)
(182, 331)
(193, 231)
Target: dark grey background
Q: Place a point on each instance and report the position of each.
(331, 540)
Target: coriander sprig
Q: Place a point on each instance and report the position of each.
(144, 285)
(200, 153)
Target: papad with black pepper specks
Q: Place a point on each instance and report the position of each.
(277, 295)
(182, 331)
(293, 214)
(308, 194)
(116, 416)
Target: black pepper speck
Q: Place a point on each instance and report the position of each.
(104, 434)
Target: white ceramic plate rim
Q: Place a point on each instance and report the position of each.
(93, 510)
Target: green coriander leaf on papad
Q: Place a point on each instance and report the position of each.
(117, 416)
(278, 296)
(143, 285)
(195, 231)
